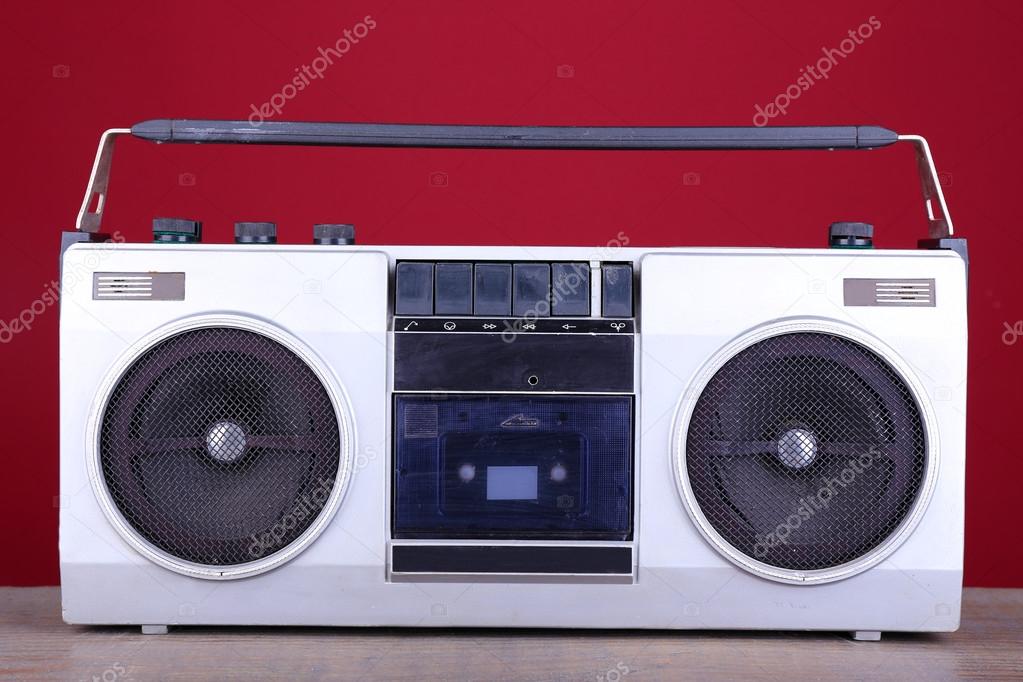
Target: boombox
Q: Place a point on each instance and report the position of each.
(337, 434)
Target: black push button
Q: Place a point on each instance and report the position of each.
(531, 292)
(493, 289)
(616, 292)
(453, 289)
(570, 289)
(413, 289)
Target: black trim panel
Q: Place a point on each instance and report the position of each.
(528, 362)
(510, 559)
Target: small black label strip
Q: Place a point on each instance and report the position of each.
(514, 325)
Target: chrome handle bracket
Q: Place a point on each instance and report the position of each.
(90, 218)
(940, 222)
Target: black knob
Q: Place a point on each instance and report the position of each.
(176, 230)
(255, 233)
(334, 233)
(851, 236)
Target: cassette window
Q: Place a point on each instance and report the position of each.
(513, 467)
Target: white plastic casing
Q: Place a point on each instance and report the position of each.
(693, 305)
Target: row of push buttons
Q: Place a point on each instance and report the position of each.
(503, 289)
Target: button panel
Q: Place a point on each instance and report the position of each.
(528, 290)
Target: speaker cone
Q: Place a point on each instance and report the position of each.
(805, 451)
(219, 446)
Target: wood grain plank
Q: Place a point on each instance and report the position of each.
(35, 644)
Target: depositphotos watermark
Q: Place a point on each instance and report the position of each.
(567, 286)
(74, 275)
(112, 674)
(1012, 333)
(810, 75)
(809, 506)
(308, 505)
(307, 73)
(614, 674)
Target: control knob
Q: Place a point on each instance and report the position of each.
(176, 230)
(255, 233)
(851, 236)
(338, 234)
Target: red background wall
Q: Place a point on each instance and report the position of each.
(950, 71)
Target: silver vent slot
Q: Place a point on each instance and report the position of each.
(138, 286)
(889, 292)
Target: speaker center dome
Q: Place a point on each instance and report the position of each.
(797, 448)
(225, 441)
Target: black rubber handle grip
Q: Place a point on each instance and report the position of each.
(512, 137)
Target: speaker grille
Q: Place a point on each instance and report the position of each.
(219, 446)
(805, 451)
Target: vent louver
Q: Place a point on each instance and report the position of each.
(138, 286)
(889, 292)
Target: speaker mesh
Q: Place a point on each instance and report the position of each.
(219, 446)
(805, 451)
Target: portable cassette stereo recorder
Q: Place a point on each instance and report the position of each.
(351, 435)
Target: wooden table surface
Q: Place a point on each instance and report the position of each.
(36, 644)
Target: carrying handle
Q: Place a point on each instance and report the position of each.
(511, 137)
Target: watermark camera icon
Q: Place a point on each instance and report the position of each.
(186, 179)
(438, 179)
(692, 179)
(312, 286)
(61, 71)
(565, 71)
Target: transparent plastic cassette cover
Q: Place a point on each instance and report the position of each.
(470, 466)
